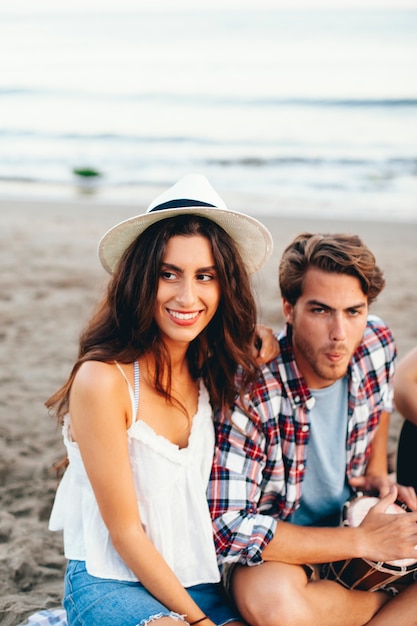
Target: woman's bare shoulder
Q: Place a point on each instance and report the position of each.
(98, 376)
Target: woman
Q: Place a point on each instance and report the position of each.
(157, 357)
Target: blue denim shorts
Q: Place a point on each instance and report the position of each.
(91, 601)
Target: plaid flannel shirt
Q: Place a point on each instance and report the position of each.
(260, 460)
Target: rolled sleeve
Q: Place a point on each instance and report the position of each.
(242, 535)
(241, 528)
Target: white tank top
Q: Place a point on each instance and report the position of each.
(170, 486)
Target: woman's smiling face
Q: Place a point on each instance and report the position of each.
(188, 289)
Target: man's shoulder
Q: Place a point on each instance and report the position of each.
(377, 350)
(377, 334)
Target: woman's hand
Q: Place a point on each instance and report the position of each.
(266, 345)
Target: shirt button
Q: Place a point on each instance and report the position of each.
(300, 467)
(297, 398)
(305, 428)
(310, 403)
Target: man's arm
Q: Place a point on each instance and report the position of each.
(299, 544)
(245, 486)
(378, 538)
(376, 476)
(405, 386)
(378, 461)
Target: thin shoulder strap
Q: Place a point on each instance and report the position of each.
(136, 383)
(133, 393)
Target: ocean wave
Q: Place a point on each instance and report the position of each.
(303, 171)
(26, 133)
(406, 162)
(208, 99)
(263, 152)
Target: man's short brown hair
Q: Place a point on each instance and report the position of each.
(335, 253)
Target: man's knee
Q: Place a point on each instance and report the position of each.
(268, 595)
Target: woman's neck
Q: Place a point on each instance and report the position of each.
(178, 364)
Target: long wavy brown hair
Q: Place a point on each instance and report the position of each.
(123, 327)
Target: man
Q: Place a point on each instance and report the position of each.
(313, 428)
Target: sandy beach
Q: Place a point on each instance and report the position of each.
(50, 279)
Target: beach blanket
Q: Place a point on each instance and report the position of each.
(47, 617)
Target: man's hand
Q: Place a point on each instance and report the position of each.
(389, 536)
(383, 485)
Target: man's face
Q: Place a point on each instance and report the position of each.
(328, 322)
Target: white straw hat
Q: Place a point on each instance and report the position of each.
(193, 195)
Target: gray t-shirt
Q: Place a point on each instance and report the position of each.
(325, 488)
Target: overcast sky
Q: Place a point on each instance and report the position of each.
(172, 5)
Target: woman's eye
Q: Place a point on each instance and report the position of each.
(204, 277)
(168, 275)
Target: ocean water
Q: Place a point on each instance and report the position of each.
(314, 110)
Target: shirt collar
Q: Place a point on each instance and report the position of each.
(291, 377)
(293, 382)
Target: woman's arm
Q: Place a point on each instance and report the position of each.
(100, 411)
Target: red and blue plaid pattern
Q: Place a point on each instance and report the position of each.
(260, 458)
